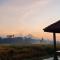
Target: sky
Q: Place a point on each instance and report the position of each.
(28, 16)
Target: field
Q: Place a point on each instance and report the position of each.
(30, 52)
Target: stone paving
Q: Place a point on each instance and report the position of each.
(52, 58)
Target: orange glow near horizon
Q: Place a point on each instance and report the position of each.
(23, 17)
(41, 34)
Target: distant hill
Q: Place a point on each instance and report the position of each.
(25, 40)
(19, 40)
(16, 40)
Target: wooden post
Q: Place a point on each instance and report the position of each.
(55, 55)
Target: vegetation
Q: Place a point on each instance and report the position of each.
(35, 52)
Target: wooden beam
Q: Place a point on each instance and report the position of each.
(54, 38)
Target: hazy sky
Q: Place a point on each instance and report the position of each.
(27, 16)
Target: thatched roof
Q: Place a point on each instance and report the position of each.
(55, 27)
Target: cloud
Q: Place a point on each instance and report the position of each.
(21, 13)
(14, 8)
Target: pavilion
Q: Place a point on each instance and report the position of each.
(54, 28)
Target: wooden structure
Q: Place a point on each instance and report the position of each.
(54, 28)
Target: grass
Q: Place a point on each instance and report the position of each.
(34, 51)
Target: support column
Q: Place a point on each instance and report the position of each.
(54, 38)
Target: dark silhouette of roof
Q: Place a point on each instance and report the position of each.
(55, 27)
